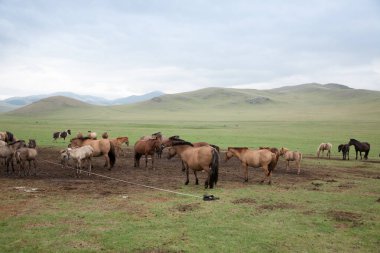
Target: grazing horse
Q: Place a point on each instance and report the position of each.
(102, 147)
(197, 158)
(63, 134)
(147, 148)
(345, 148)
(7, 137)
(291, 156)
(324, 146)
(118, 142)
(254, 158)
(360, 147)
(24, 155)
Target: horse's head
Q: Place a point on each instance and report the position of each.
(283, 150)
(65, 156)
(340, 147)
(69, 131)
(352, 142)
(76, 142)
(228, 155)
(171, 153)
(32, 143)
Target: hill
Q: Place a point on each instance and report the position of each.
(306, 102)
(49, 106)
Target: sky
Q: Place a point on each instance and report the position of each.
(119, 48)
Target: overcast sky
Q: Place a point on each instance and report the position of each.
(119, 48)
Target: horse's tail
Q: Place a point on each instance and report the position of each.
(112, 155)
(214, 168)
(272, 165)
(216, 147)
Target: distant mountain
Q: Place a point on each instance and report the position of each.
(136, 99)
(16, 102)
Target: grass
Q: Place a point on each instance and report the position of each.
(249, 218)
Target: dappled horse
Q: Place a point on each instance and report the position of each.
(360, 147)
(324, 146)
(291, 156)
(345, 148)
(102, 147)
(147, 148)
(197, 158)
(62, 134)
(254, 158)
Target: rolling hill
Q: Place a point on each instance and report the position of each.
(306, 102)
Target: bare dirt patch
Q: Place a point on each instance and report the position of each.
(343, 216)
(244, 201)
(278, 206)
(188, 207)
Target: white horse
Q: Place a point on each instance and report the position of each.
(324, 146)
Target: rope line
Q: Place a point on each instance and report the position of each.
(128, 182)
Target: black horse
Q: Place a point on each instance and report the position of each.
(361, 147)
(63, 134)
(345, 148)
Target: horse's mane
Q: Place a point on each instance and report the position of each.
(238, 148)
(81, 138)
(179, 142)
(174, 137)
(214, 146)
(10, 136)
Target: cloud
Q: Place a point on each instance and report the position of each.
(119, 48)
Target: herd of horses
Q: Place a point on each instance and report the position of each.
(198, 156)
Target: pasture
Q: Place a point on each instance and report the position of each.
(332, 206)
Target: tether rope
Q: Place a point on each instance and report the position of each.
(128, 182)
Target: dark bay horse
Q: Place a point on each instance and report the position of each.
(345, 148)
(197, 158)
(102, 147)
(254, 158)
(360, 147)
(146, 147)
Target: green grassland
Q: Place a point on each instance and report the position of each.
(277, 218)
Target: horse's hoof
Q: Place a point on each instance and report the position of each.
(245, 180)
(270, 183)
(187, 182)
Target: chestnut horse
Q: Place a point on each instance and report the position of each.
(324, 146)
(291, 156)
(197, 158)
(254, 158)
(147, 148)
(102, 147)
(118, 142)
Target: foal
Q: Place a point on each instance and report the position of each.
(291, 156)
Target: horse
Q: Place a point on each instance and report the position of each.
(324, 146)
(198, 159)
(345, 148)
(79, 155)
(7, 136)
(62, 134)
(118, 142)
(32, 143)
(7, 152)
(360, 147)
(147, 148)
(291, 156)
(102, 147)
(29, 155)
(254, 158)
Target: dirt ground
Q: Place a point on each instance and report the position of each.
(53, 179)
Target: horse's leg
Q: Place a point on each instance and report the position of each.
(146, 161)
(348, 155)
(187, 176)
(183, 165)
(245, 172)
(287, 165)
(196, 177)
(152, 161)
(356, 154)
(299, 167)
(266, 173)
(107, 161)
(207, 182)
(90, 166)
(35, 167)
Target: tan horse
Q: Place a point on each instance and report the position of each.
(102, 147)
(291, 156)
(197, 158)
(147, 148)
(7, 137)
(324, 146)
(118, 142)
(254, 158)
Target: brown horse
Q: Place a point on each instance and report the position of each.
(102, 147)
(118, 142)
(147, 148)
(197, 158)
(291, 156)
(254, 158)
